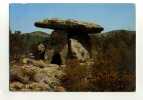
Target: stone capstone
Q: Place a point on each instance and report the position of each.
(69, 25)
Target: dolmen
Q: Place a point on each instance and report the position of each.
(84, 40)
(71, 37)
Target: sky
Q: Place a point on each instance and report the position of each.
(109, 16)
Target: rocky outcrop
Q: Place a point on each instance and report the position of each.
(33, 77)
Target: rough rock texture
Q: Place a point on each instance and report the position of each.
(29, 77)
(78, 51)
(69, 25)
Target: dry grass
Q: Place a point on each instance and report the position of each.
(103, 75)
(76, 76)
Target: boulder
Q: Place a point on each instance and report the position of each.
(78, 51)
(22, 73)
(33, 86)
(69, 25)
(29, 77)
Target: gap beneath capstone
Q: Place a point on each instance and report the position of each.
(56, 59)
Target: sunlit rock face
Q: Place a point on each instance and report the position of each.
(41, 48)
(78, 50)
(32, 77)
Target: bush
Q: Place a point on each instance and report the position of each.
(107, 75)
(76, 76)
(103, 75)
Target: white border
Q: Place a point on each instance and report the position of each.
(4, 66)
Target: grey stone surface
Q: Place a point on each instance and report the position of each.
(70, 25)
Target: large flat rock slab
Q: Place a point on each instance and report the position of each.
(69, 25)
